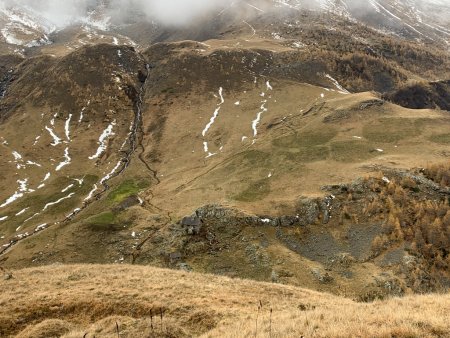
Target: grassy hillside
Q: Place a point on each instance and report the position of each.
(225, 123)
(85, 300)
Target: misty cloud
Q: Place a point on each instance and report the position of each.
(62, 13)
(58, 12)
(175, 12)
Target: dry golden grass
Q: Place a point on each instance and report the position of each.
(70, 301)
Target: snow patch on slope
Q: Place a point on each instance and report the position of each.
(102, 141)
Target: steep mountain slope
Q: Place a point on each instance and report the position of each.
(272, 133)
(255, 127)
(413, 19)
(77, 131)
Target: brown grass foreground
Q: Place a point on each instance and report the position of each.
(87, 300)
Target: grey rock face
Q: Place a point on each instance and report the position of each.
(307, 210)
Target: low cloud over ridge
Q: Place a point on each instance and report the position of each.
(62, 13)
(171, 12)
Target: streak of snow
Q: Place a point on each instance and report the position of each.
(21, 212)
(73, 213)
(48, 205)
(30, 218)
(11, 199)
(66, 161)
(23, 186)
(221, 96)
(17, 156)
(25, 235)
(107, 177)
(18, 160)
(81, 115)
(4, 218)
(79, 181)
(102, 140)
(40, 227)
(438, 28)
(254, 7)
(34, 163)
(70, 186)
(256, 121)
(338, 86)
(52, 121)
(91, 193)
(67, 127)
(269, 87)
(124, 143)
(209, 154)
(211, 122)
(56, 139)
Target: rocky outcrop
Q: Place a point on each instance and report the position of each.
(308, 211)
(370, 103)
